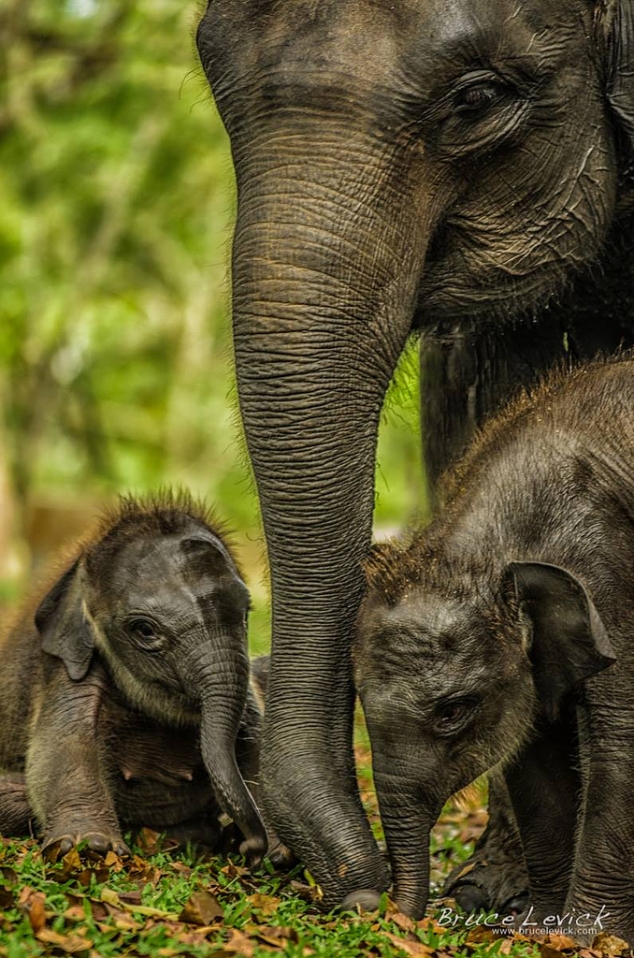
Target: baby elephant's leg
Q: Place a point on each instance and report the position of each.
(205, 831)
(545, 785)
(494, 879)
(15, 811)
(601, 896)
(67, 787)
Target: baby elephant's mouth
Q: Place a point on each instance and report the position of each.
(174, 703)
(164, 774)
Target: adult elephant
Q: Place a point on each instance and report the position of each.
(449, 166)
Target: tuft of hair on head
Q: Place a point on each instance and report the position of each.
(390, 568)
(164, 512)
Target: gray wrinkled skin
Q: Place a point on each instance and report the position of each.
(501, 636)
(124, 699)
(462, 169)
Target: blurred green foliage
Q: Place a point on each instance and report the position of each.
(116, 208)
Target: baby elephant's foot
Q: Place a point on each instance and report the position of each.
(15, 812)
(59, 843)
(280, 855)
(479, 885)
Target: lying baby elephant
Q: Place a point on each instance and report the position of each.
(128, 699)
(504, 633)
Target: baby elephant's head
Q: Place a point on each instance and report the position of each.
(452, 667)
(159, 597)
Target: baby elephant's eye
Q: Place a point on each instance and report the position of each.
(451, 717)
(145, 633)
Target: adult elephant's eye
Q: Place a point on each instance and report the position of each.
(480, 112)
(475, 99)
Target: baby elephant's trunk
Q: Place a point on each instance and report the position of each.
(220, 683)
(408, 813)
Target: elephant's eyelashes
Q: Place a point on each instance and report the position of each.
(450, 717)
(480, 112)
(477, 98)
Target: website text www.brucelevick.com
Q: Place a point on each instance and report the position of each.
(568, 923)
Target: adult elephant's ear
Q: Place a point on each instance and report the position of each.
(616, 24)
(62, 624)
(569, 642)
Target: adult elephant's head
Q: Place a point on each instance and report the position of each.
(400, 164)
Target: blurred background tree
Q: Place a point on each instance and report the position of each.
(116, 210)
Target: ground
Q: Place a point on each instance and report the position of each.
(167, 902)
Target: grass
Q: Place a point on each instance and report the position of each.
(166, 901)
(166, 904)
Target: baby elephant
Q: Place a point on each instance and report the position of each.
(125, 699)
(504, 633)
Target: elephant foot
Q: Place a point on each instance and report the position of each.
(280, 856)
(58, 843)
(492, 886)
(363, 900)
(209, 836)
(15, 811)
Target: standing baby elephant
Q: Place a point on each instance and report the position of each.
(128, 700)
(504, 633)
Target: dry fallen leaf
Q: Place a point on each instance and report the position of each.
(234, 871)
(561, 943)
(273, 935)
(75, 913)
(70, 944)
(110, 896)
(506, 947)
(241, 944)
(481, 934)
(264, 904)
(32, 902)
(403, 921)
(305, 892)
(149, 841)
(131, 897)
(610, 945)
(203, 908)
(414, 948)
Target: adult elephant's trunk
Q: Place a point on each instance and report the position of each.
(219, 681)
(324, 277)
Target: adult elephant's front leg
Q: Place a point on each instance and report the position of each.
(320, 318)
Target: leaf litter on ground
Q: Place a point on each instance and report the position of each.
(167, 901)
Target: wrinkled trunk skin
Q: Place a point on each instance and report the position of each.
(219, 678)
(409, 808)
(324, 280)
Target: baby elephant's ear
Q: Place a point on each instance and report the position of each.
(569, 642)
(62, 625)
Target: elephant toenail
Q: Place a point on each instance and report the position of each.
(364, 899)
